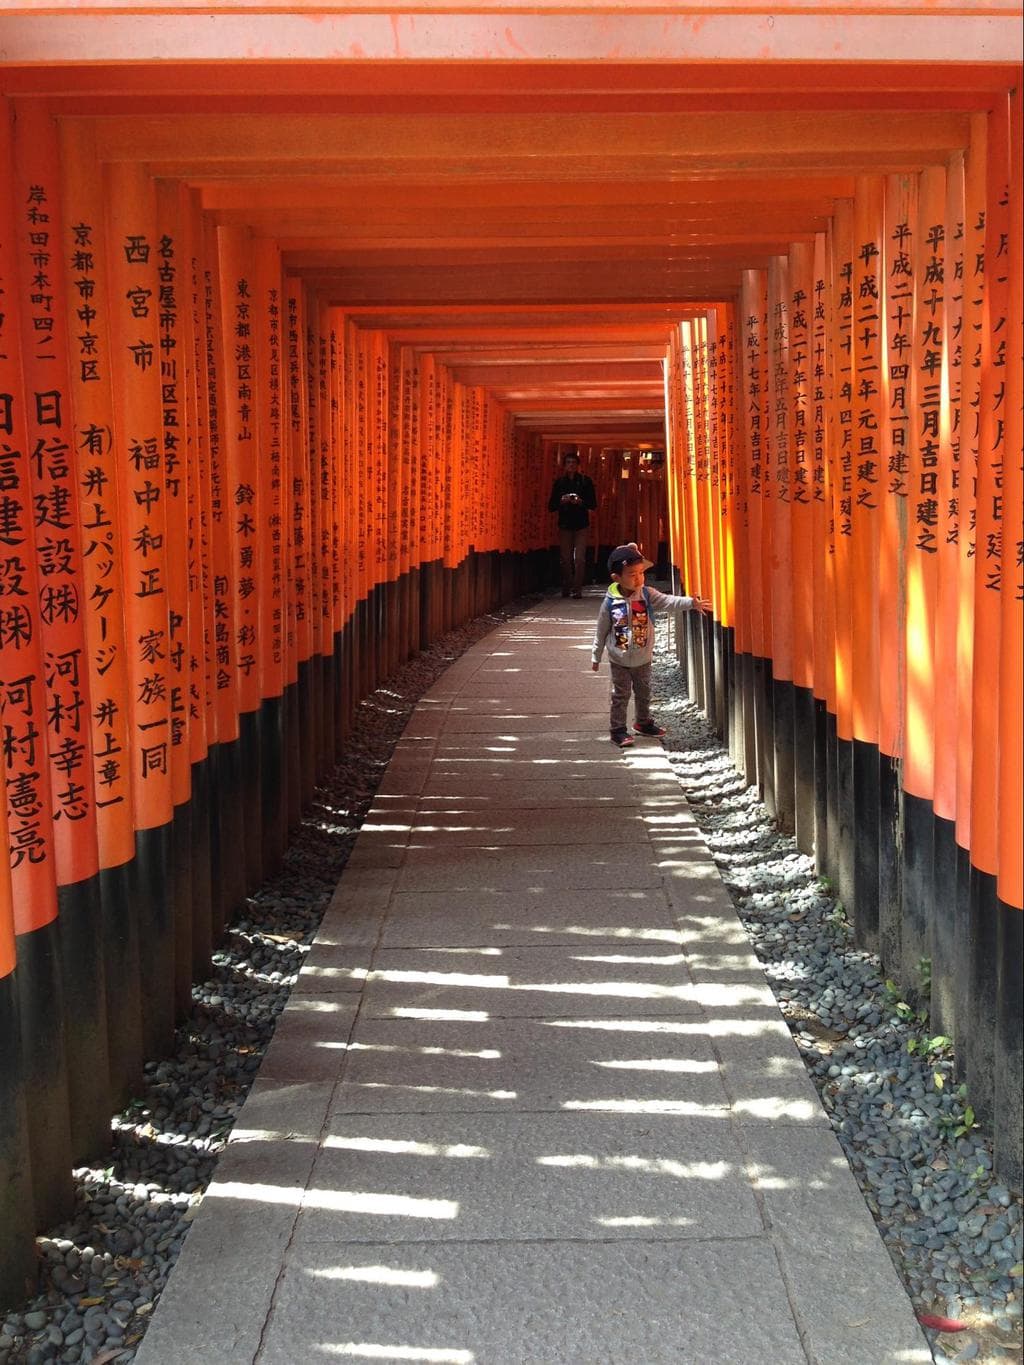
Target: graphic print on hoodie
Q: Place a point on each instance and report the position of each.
(630, 622)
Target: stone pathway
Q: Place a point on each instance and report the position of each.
(531, 1099)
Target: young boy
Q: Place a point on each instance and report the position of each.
(625, 625)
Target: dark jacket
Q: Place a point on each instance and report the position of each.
(573, 516)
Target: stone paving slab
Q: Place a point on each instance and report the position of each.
(536, 790)
(524, 1065)
(548, 1304)
(531, 827)
(523, 1177)
(592, 721)
(505, 918)
(846, 1303)
(472, 868)
(483, 707)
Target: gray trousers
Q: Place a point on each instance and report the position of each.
(573, 557)
(627, 680)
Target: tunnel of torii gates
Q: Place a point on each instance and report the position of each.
(299, 310)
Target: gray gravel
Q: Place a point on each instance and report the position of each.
(101, 1274)
(954, 1233)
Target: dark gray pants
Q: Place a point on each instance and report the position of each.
(627, 680)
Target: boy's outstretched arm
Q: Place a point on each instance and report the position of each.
(663, 601)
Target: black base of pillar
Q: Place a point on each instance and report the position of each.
(44, 1073)
(1007, 1132)
(180, 867)
(978, 1041)
(124, 991)
(292, 756)
(865, 847)
(820, 812)
(199, 865)
(80, 914)
(718, 679)
(745, 685)
(918, 895)
(17, 1249)
(150, 880)
(306, 732)
(803, 768)
(273, 787)
(846, 827)
(250, 752)
(890, 868)
(944, 963)
(782, 755)
(764, 724)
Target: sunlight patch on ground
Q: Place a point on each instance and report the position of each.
(337, 1201)
(401, 1147)
(678, 1170)
(366, 1350)
(659, 1064)
(438, 1090)
(470, 1016)
(486, 1054)
(380, 1274)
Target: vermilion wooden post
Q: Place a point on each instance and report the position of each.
(302, 550)
(801, 298)
(990, 567)
(973, 310)
(715, 521)
(39, 1077)
(1011, 681)
(322, 457)
(947, 615)
(867, 403)
(91, 377)
(59, 618)
(821, 557)
(311, 378)
(900, 225)
(269, 338)
(239, 526)
(173, 271)
(339, 513)
(779, 566)
(755, 309)
(842, 836)
(229, 842)
(922, 573)
(208, 894)
(691, 503)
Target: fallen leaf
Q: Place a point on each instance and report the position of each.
(936, 1324)
(90, 1303)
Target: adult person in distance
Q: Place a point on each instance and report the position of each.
(573, 498)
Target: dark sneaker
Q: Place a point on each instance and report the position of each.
(649, 727)
(622, 739)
